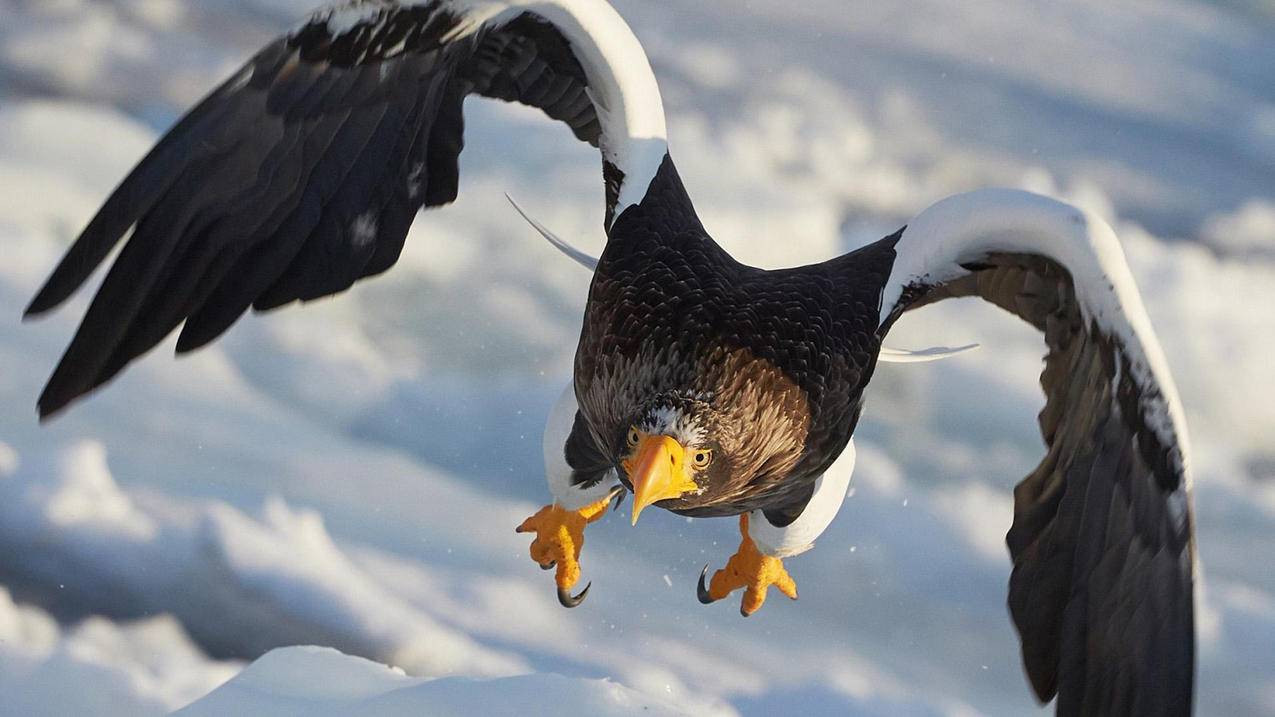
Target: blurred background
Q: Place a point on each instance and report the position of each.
(350, 473)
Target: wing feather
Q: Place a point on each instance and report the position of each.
(302, 173)
(1102, 590)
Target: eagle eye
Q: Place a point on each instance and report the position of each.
(701, 458)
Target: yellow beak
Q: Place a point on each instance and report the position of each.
(657, 469)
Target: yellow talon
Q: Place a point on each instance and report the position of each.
(559, 538)
(748, 568)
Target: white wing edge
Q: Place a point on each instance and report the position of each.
(966, 227)
(622, 85)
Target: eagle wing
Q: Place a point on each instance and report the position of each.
(1102, 540)
(302, 173)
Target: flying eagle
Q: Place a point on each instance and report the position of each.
(701, 385)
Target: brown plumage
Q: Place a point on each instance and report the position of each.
(1096, 512)
(784, 355)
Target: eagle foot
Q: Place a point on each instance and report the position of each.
(748, 568)
(559, 538)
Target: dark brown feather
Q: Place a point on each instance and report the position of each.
(784, 354)
(297, 177)
(1103, 579)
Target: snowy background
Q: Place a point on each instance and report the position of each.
(349, 475)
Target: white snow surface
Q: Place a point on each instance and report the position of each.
(348, 474)
(131, 669)
(319, 681)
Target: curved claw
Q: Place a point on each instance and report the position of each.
(701, 590)
(750, 569)
(549, 565)
(564, 596)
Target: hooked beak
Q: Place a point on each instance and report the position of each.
(658, 471)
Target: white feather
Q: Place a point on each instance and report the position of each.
(581, 258)
(622, 85)
(341, 18)
(558, 474)
(967, 227)
(936, 353)
(799, 536)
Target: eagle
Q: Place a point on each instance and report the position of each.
(701, 385)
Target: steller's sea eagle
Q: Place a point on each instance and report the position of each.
(701, 385)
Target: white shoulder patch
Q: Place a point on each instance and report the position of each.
(799, 536)
(557, 473)
(967, 227)
(622, 85)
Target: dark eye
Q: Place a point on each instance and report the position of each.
(701, 458)
(634, 436)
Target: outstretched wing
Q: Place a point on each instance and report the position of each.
(1102, 539)
(303, 172)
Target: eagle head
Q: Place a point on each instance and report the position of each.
(672, 449)
(698, 432)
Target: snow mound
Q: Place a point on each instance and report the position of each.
(149, 667)
(317, 681)
(1246, 233)
(241, 584)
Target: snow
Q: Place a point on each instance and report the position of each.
(349, 474)
(147, 667)
(1247, 232)
(315, 681)
(244, 584)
